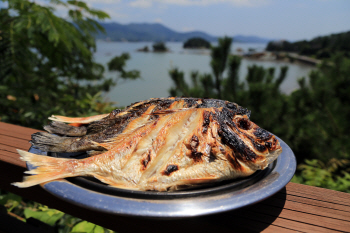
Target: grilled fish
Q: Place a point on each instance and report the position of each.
(161, 144)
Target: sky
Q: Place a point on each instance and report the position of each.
(275, 19)
(291, 20)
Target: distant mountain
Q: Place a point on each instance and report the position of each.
(147, 32)
(157, 32)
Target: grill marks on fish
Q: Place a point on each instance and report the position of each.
(193, 146)
(182, 124)
(236, 143)
(147, 148)
(206, 121)
(170, 169)
(146, 160)
(165, 144)
(123, 149)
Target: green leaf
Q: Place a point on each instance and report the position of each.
(10, 200)
(9, 196)
(48, 216)
(78, 4)
(99, 229)
(87, 227)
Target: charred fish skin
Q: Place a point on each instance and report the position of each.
(60, 128)
(115, 123)
(162, 144)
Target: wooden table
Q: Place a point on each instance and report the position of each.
(295, 208)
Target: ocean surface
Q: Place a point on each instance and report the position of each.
(154, 68)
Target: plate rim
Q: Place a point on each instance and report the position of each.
(273, 182)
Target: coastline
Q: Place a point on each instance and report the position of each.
(282, 56)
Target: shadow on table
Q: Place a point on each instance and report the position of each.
(254, 218)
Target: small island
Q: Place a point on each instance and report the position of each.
(159, 47)
(144, 49)
(196, 43)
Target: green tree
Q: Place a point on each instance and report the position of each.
(219, 56)
(321, 47)
(319, 112)
(206, 85)
(47, 67)
(312, 120)
(118, 64)
(46, 62)
(260, 92)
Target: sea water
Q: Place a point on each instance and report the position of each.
(154, 68)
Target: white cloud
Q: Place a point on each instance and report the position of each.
(158, 20)
(103, 1)
(141, 3)
(149, 3)
(188, 29)
(115, 14)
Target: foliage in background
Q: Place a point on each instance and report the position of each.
(313, 120)
(46, 62)
(260, 92)
(47, 67)
(318, 112)
(320, 47)
(335, 174)
(50, 219)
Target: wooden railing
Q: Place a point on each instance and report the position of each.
(294, 208)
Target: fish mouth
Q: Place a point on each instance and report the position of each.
(209, 189)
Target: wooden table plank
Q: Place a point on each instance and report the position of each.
(14, 142)
(313, 202)
(9, 154)
(295, 208)
(278, 221)
(311, 209)
(13, 137)
(325, 195)
(17, 131)
(316, 220)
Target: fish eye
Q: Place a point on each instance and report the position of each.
(244, 123)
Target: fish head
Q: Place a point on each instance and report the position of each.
(250, 143)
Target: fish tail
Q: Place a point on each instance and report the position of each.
(82, 120)
(48, 169)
